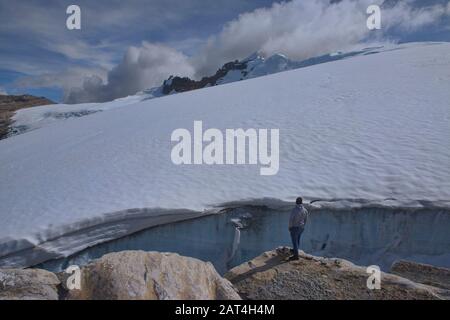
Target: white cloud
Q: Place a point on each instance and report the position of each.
(141, 68)
(410, 18)
(98, 55)
(299, 29)
(302, 29)
(3, 92)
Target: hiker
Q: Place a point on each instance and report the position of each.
(297, 222)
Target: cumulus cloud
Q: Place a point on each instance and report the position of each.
(141, 68)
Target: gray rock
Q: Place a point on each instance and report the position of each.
(28, 284)
(140, 275)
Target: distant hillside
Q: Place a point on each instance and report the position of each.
(9, 104)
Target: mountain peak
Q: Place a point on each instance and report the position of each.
(255, 65)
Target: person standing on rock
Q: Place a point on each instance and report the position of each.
(297, 222)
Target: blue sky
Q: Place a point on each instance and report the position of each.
(126, 46)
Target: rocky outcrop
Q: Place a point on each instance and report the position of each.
(271, 276)
(28, 284)
(9, 104)
(182, 84)
(423, 273)
(141, 275)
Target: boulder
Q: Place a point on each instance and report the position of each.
(140, 275)
(271, 276)
(28, 284)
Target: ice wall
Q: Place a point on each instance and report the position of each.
(366, 236)
(381, 235)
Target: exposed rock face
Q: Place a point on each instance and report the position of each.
(423, 273)
(29, 284)
(151, 275)
(179, 84)
(270, 276)
(9, 104)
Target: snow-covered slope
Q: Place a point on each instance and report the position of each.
(252, 67)
(371, 127)
(34, 118)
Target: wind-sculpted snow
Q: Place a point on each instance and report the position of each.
(371, 127)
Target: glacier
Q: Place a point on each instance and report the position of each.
(251, 67)
(370, 128)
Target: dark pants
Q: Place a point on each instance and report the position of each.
(296, 232)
